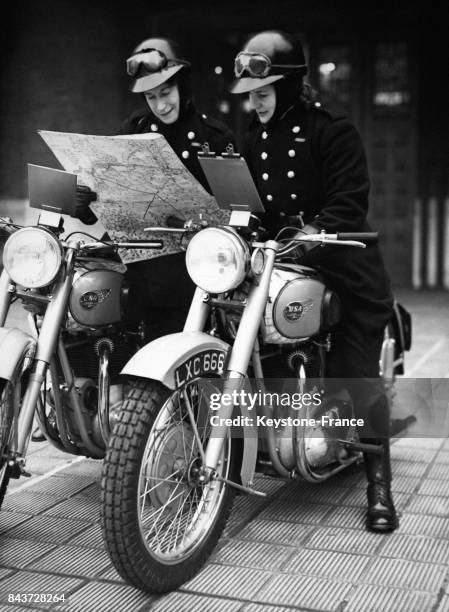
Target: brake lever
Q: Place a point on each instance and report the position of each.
(325, 240)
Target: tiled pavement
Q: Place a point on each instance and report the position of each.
(304, 548)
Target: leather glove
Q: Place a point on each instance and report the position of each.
(84, 196)
(305, 247)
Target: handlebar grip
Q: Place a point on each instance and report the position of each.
(175, 222)
(367, 237)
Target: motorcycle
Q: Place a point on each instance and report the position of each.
(64, 372)
(186, 439)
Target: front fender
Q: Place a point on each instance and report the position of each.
(14, 345)
(160, 358)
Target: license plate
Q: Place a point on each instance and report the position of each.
(200, 364)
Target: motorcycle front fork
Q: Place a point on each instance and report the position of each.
(48, 341)
(5, 296)
(241, 354)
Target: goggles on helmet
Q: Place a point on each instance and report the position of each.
(259, 65)
(150, 60)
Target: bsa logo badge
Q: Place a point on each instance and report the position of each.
(91, 299)
(295, 310)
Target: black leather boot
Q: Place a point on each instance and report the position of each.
(381, 515)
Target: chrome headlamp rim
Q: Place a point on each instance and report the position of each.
(258, 261)
(9, 245)
(237, 242)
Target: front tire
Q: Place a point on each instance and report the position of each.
(160, 524)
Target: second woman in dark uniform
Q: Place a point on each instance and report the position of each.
(303, 160)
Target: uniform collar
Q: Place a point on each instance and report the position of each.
(292, 111)
(185, 116)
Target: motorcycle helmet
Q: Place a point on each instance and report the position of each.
(153, 62)
(266, 58)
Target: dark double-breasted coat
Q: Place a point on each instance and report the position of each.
(186, 136)
(308, 161)
(162, 289)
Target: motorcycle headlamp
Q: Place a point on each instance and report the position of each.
(217, 260)
(32, 257)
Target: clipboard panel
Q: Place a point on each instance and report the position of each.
(51, 189)
(231, 183)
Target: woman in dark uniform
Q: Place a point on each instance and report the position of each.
(164, 81)
(162, 287)
(305, 161)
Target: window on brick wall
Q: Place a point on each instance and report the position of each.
(392, 84)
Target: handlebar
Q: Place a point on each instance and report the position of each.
(175, 222)
(109, 246)
(7, 225)
(168, 230)
(324, 238)
(175, 225)
(140, 244)
(340, 239)
(347, 237)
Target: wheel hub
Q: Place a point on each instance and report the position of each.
(196, 474)
(169, 466)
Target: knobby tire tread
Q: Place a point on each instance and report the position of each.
(121, 468)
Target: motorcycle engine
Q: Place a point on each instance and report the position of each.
(321, 444)
(99, 294)
(299, 305)
(83, 356)
(321, 448)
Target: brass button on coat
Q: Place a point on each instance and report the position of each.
(185, 154)
(291, 174)
(265, 176)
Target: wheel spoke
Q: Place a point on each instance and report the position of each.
(172, 523)
(161, 480)
(160, 510)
